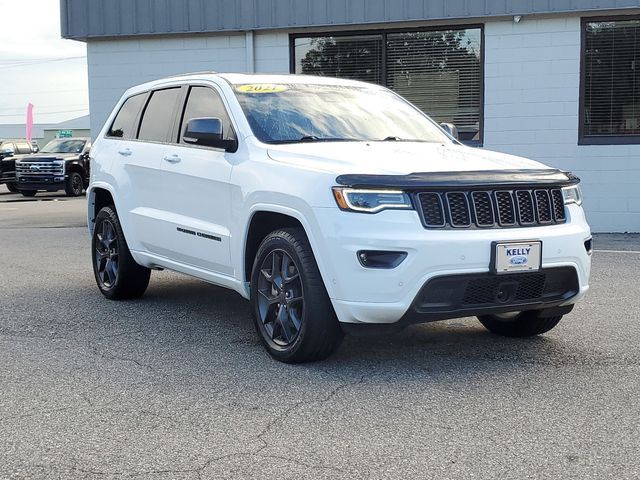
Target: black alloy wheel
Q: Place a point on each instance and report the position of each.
(106, 254)
(281, 298)
(117, 274)
(74, 185)
(292, 312)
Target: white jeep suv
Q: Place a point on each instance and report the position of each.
(332, 206)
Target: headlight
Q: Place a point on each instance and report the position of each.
(371, 201)
(572, 194)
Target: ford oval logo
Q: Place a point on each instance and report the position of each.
(519, 260)
(34, 167)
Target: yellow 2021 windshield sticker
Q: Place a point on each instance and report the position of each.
(261, 88)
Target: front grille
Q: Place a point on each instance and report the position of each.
(492, 208)
(38, 168)
(525, 286)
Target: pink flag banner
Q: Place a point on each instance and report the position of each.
(29, 122)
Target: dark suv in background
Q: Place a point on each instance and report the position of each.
(62, 164)
(10, 150)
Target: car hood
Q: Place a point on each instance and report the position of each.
(389, 158)
(50, 157)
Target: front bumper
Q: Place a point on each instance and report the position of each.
(49, 183)
(384, 296)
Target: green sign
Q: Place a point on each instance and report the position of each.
(65, 133)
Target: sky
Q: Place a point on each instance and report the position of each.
(37, 66)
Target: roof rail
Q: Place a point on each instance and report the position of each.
(210, 72)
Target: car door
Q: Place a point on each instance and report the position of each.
(196, 189)
(142, 161)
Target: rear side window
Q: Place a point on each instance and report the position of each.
(204, 102)
(23, 148)
(124, 124)
(157, 120)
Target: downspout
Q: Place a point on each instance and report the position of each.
(251, 59)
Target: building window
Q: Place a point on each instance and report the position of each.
(439, 71)
(610, 103)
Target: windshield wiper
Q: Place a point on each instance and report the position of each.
(398, 139)
(313, 138)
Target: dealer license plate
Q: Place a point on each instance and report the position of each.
(512, 257)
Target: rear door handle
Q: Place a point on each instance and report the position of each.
(125, 153)
(172, 159)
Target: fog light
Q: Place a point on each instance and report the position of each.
(380, 259)
(588, 245)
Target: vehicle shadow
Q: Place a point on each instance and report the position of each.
(201, 312)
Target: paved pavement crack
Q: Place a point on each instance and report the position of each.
(34, 414)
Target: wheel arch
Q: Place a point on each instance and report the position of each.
(100, 196)
(261, 223)
(76, 167)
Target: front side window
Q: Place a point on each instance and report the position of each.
(7, 149)
(439, 71)
(123, 125)
(292, 113)
(204, 102)
(610, 103)
(157, 119)
(64, 146)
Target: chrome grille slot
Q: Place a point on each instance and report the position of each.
(458, 207)
(483, 209)
(525, 207)
(432, 209)
(543, 206)
(558, 205)
(506, 209)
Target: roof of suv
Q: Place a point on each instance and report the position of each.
(244, 78)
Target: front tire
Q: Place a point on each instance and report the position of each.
(12, 187)
(292, 311)
(74, 185)
(117, 274)
(522, 324)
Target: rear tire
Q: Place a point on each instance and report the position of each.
(74, 185)
(117, 274)
(12, 187)
(293, 315)
(524, 324)
(28, 193)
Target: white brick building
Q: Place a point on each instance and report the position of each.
(538, 86)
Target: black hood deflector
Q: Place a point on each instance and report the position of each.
(448, 180)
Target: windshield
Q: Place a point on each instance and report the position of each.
(291, 113)
(64, 146)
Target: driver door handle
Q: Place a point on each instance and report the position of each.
(125, 153)
(172, 159)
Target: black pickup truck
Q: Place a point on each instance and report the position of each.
(63, 164)
(10, 151)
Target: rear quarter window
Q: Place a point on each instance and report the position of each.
(157, 120)
(123, 125)
(23, 148)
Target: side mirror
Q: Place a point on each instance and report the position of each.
(451, 129)
(206, 132)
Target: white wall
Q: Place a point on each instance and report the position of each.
(532, 78)
(532, 85)
(115, 65)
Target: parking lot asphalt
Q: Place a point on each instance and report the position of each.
(176, 385)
